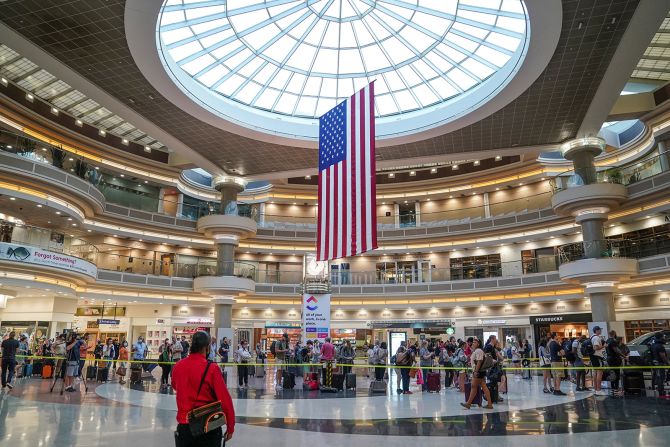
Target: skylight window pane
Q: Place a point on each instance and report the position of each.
(242, 22)
(425, 95)
(488, 19)
(332, 36)
(214, 39)
(195, 66)
(347, 38)
(477, 68)
(398, 52)
(417, 39)
(204, 12)
(213, 75)
(362, 34)
(326, 62)
(296, 83)
(170, 17)
(313, 86)
(517, 25)
(204, 27)
(351, 62)
(248, 92)
(267, 99)
(473, 31)
(176, 35)
(410, 76)
(306, 106)
(405, 100)
(329, 88)
(443, 88)
(231, 84)
(386, 104)
(501, 40)
(302, 58)
(431, 22)
(324, 105)
(249, 68)
(281, 48)
(461, 79)
(183, 51)
(466, 44)
(438, 62)
(512, 6)
(280, 79)
(345, 87)
(286, 103)
(492, 56)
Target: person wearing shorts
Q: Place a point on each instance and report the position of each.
(72, 365)
(557, 365)
(281, 348)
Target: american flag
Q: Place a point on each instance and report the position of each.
(347, 219)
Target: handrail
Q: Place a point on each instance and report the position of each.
(603, 248)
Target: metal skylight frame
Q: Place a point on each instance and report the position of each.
(195, 33)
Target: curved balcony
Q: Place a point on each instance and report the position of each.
(596, 261)
(231, 279)
(232, 226)
(588, 188)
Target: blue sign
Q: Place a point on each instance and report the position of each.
(105, 321)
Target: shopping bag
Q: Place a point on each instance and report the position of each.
(419, 377)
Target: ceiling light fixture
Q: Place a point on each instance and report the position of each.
(476, 162)
(391, 175)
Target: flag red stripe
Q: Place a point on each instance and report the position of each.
(319, 253)
(354, 209)
(326, 207)
(364, 173)
(336, 195)
(373, 169)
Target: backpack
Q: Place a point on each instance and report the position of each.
(393, 359)
(587, 348)
(487, 363)
(509, 353)
(567, 349)
(273, 347)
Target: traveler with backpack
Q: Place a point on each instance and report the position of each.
(279, 348)
(346, 356)
(380, 361)
(659, 357)
(165, 358)
(615, 359)
(243, 358)
(556, 354)
(568, 359)
(426, 363)
(177, 349)
(545, 364)
(459, 360)
(481, 363)
(404, 359)
(580, 372)
(596, 351)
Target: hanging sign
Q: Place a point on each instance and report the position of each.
(33, 255)
(315, 317)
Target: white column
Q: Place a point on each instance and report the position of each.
(261, 218)
(161, 200)
(417, 211)
(487, 206)
(180, 204)
(396, 215)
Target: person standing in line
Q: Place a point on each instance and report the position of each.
(556, 360)
(580, 372)
(177, 349)
(598, 360)
(72, 366)
(545, 364)
(212, 351)
(108, 353)
(224, 350)
(346, 357)
(10, 347)
(404, 360)
(243, 358)
(380, 361)
(123, 359)
(327, 355)
(187, 375)
(478, 376)
(185, 345)
(659, 357)
(615, 359)
(140, 349)
(165, 359)
(425, 362)
(281, 348)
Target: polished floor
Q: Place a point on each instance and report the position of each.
(112, 415)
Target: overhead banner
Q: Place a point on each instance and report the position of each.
(34, 255)
(315, 317)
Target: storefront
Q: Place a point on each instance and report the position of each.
(101, 323)
(395, 332)
(189, 326)
(34, 329)
(274, 330)
(565, 326)
(513, 330)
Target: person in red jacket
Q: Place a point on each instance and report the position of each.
(186, 376)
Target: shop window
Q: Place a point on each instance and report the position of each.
(407, 215)
(474, 267)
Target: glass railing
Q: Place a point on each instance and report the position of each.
(47, 239)
(603, 248)
(624, 175)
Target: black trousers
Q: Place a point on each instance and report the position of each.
(379, 373)
(243, 374)
(165, 376)
(183, 438)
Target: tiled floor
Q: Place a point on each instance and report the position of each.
(114, 415)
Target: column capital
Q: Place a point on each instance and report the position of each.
(593, 145)
(222, 182)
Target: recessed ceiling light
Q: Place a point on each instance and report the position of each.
(454, 167)
(124, 141)
(69, 218)
(9, 146)
(146, 181)
(29, 97)
(308, 177)
(54, 111)
(12, 198)
(4, 81)
(114, 235)
(79, 123)
(412, 173)
(391, 175)
(498, 157)
(102, 133)
(520, 184)
(97, 168)
(433, 170)
(58, 212)
(74, 224)
(122, 175)
(476, 162)
(89, 230)
(147, 149)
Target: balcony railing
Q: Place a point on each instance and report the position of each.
(604, 248)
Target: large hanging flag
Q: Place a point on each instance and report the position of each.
(347, 218)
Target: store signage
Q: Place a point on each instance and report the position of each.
(160, 321)
(92, 325)
(491, 322)
(567, 318)
(437, 324)
(666, 218)
(451, 331)
(33, 255)
(315, 316)
(282, 325)
(108, 321)
(200, 321)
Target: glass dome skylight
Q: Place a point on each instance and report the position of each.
(299, 58)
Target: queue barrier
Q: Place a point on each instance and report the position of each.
(434, 368)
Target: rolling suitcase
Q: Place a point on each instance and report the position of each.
(103, 374)
(135, 375)
(47, 372)
(37, 368)
(378, 386)
(350, 381)
(478, 396)
(338, 381)
(633, 382)
(288, 382)
(91, 373)
(433, 382)
(260, 370)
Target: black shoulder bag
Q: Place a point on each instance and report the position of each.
(202, 420)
